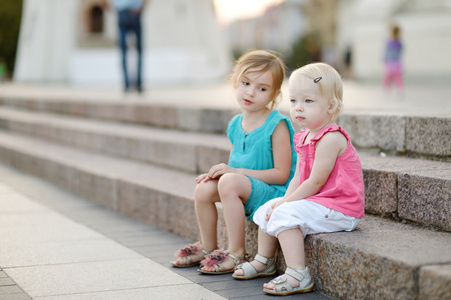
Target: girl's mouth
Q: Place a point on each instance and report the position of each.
(247, 101)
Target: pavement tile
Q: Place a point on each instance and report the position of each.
(52, 280)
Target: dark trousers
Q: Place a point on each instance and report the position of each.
(130, 23)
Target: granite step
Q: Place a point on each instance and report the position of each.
(382, 259)
(417, 190)
(425, 136)
(188, 151)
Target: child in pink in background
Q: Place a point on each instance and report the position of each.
(392, 60)
(326, 193)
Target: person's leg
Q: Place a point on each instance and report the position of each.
(387, 78)
(397, 76)
(123, 47)
(292, 244)
(206, 194)
(138, 32)
(267, 246)
(234, 190)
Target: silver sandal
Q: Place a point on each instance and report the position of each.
(249, 272)
(282, 287)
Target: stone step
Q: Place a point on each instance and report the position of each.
(188, 151)
(408, 189)
(381, 259)
(415, 135)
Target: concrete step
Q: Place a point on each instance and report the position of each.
(382, 259)
(188, 151)
(408, 189)
(415, 135)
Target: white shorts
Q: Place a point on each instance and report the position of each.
(306, 215)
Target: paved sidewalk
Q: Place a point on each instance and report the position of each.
(54, 245)
(424, 99)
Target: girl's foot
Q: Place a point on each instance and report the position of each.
(293, 281)
(259, 267)
(189, 256)
(221, 262)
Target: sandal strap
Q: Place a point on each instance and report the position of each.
(296, 274)
(264, 260)
(237, 259)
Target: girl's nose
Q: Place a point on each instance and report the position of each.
(250, 91)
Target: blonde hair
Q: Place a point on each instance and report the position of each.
(260, 61)
(328, 80)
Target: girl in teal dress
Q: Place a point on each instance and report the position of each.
(261, 164)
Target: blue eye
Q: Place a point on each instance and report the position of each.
(262, 89)
(245, 82)
(308, 101)
(293, 100)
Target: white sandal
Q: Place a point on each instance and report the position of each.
(282, 287)
(249, 272)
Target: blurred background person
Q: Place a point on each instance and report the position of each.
(129, 22)
(392, 60)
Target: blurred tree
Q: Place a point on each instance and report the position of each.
(306, 49)
(10, 16)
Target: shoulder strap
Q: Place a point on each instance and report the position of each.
(329, 128)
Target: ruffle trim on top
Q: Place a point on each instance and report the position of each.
(299, 137)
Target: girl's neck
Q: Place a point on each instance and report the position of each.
(253, 120)
(314, 131)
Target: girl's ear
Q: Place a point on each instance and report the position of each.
(333, 104)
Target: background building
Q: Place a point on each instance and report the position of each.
(74, 41)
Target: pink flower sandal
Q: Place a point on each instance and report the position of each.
(282, 287)
(191, 255)
(217, 258)
(249, 272)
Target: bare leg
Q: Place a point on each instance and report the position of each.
(234, 190)
(292, 244)
(206, 194)
(267, 246)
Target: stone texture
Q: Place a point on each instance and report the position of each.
(203, 120)
(425, 197)
(386, 132)
(209, 156)
(429, 136)
(435, 282)
(157, 115)
(98, 187)
(55, 172)
(380, 191)
(377, 261)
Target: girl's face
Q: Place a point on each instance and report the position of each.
(254, 90)
(309, 109)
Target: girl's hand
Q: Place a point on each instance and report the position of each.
(215, 172)
(219, 170)
(273, 207)
(202, 177)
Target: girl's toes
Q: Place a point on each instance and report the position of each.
(268, 285)
(239, 272)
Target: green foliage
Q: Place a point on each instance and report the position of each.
(306, 49)
(10, 16)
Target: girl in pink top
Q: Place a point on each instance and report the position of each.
(326, 193)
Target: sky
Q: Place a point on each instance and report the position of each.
(230, 10)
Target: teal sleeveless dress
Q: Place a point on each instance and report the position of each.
(253, 150)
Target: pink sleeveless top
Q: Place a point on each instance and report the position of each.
(343, 190)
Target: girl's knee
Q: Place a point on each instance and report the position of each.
(206, 192)
(231, 183)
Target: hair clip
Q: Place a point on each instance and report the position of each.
(317, 79)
